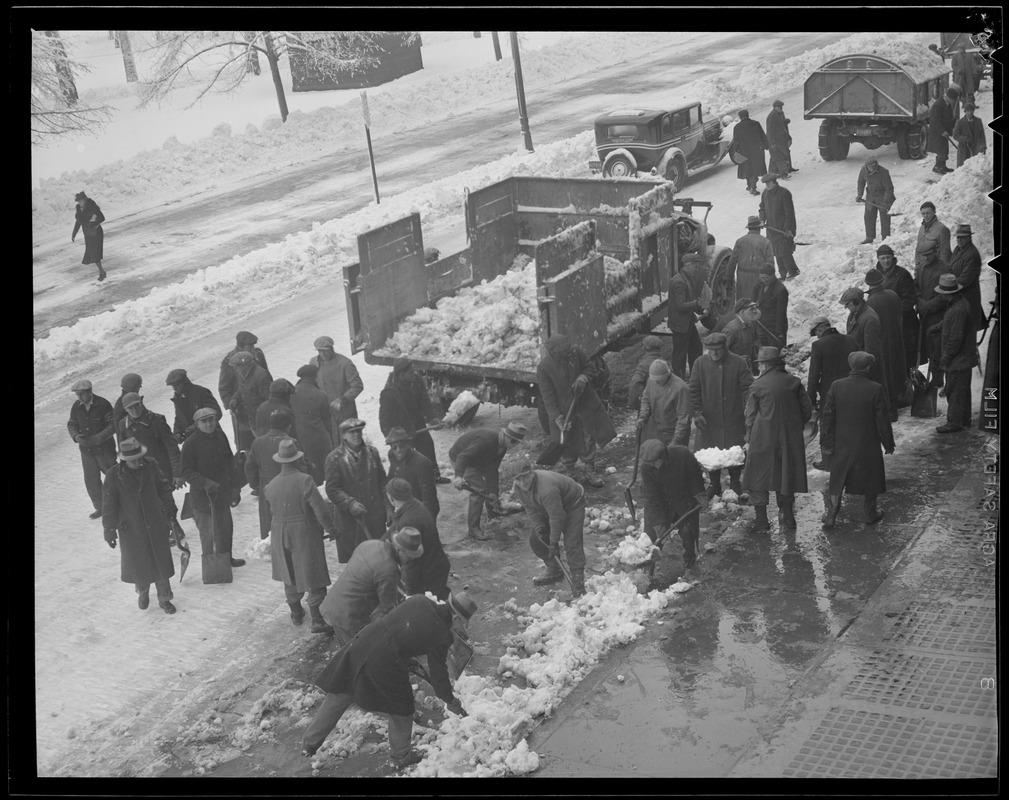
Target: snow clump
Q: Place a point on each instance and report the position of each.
(715, 458)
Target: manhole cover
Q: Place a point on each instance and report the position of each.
(962, 629)
(967, 581)
(932, 682)
(864, 744)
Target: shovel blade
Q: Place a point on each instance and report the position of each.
(551, 455)
(184, 561)
(630, 504)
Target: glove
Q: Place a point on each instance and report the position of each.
(236, 497)
(859, 200)
(84, 439)
(560, 423)
(212, 487)
(457, 482)
(110, 537)
(336, 404)
(581, 382)
(553, 552)
(888, 450)
(700, 422)
(233, 404)
(357, 509)
(640, 426)
(456, 708)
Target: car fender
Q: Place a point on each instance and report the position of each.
(670, 154)
(622, 152)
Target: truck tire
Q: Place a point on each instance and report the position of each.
(917, 140)
(619, 166)
(676, 174)
(902, 147)
(723, 285)
(841, 146)
(826, 139)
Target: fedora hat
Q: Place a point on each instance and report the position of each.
(407, 541)
(352, 424)
(515, 431)
(948, 284)
(131, 450)
(753, 222)
(963, 230)
(816, 322)
(462, 604)
(769, 354)
(287, 451)
(398, 435)
(651, 451)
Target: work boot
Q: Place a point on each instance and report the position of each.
(413, 757)
(143, 601)
(734, 484)
(947, 428)
(793, 274)
(297, 613)
(238, 562)
(786, 517)
(760, 524)
(591, 477)
(715, 489)
(831, 506)
(96, 514)
(578, 582)
(319, 625)
(872, 513)
(168, 607)
(554, 575)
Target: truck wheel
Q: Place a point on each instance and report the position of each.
(841, 146)
(917, 140)
(723, 289)
(619, 167)
(902, 148)
(676, 174)
(826, 139)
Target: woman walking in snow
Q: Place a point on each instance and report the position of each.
(90, 217)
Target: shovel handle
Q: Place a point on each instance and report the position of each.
(671, 528)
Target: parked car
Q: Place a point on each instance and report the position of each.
(673, 144)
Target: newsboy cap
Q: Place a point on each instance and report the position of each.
(280, 418)
(131, 382)
(399, 489)
(969, 107)
(245, 337)
(652, 343)
(766, 269)
(770, 176)
(651, 451)
(778, 104)
(82, 385)
(176, 376)
(871, 161)
(854, 293)
(131, 399)
(860, 360)
(352, 424)
(241, 357)
(308, 371)
(716, 339)
(874, 277)
(884, 250)
(323, 342)
(203, 413)
(281, 386)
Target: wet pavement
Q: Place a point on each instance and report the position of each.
(866, 651)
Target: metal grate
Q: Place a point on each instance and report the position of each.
(961, 629)
(931, 682)
(962, 581)
(864, 744)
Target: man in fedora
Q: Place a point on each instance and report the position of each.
(298, 518)
(719, 385)
(969, 135)
(405, 462)
(957, 353)
(828, 362)
(355, 483)
(373, 672)
(777, 408)
(556, 507)
(261, 467)
(771, 299)
(339, 379)
(778, 140)
(749, 254)
(672, 483)
(931, 233)
(368, 587)
(886, 304)
(137, 511)
(429, 573)
(966, 265)
(130, 382)
(208, 468)
(741, 334)
(476, 458)
(940, 125)
(864, 327)
(152, 431)
(405, 403)
(875, 183)
(91, 426)
(777, 212)
(854, 424)
(665, 406)
(900, 281)
(930, 307)
(188, 398)
(749, 142)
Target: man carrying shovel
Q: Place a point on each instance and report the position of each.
(778, 213)
(672, 484)
(355, 483)
(476, 457)
(874, 182)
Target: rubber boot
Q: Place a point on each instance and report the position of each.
(715, 489)
(319, 625)
(554, 575)
(297, 613)
(578, 582)
(872, 513)
(734, 484)
(760, 524)
(831, 505)
(786, 516)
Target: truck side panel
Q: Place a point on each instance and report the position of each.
(842, 93)
(492, 227)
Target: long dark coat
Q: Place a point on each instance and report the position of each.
(227, 381)
(556, 378)
(368, 588)
(749, 254)
(865, 328)
(937, 232)
(96, 423)
(966, 265)
(935, 305)
(886, 304)
(962, 66)
(776, 410)
(356, 476)
(275, 402)
(90, 218)
(878, 187)
(778, 211)
(254, 390)
(669, 491)
(192, 399)
(300, 515)
(139, 505)
(855, 423)
(742, 339)
(772, 300)
(314, 422)
(429, 573)
(778, 140)
(899, 280)
(152, 431)
(683, 308)
(208, 457)
(940, 122)
(407, 405)
(828, 362)
(419, 472)
(749, 139)
(373, 667)
(339, 379)
(718, 390)
(970, 134)
(958, 346)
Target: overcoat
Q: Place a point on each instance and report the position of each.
(742, 339)
(899, 280)
(718, 390)
(962, 65)
(254, 390)
(356, 476)
(828, 362)
(970, 134)
(339, 379)
(227, 381)
(416, 469)
(933, 310)
(640, 378)
(935, 231)
(299, 517)
(864, 327)
(776, 410)
(669, 490)
(682, 304)
(192, 399)
(314, 421)
(95, 423)
(366, 589)
(772, 300)
(778, 211)
(966, 265)
(940, 122)
(275, 402)
(749, 139)
(260, 469)
(958, 347)
(886, 304)
(152, 431)
(208, 456)
(878, 187)
(90, 218)
(407, 405)
(778, 140)
(373, 667)
(429, 573)
(139, 505)
(556, 377)
(666, 409)
(749, 254)
(854, 424)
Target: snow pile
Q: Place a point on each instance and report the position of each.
(259, 549)
(728, 503)
(607, 517)
(634, 550)
(462, 403)
(715, 458)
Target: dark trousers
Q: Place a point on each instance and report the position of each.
(265, 517)
(424, 445)
(217, 524)
(334, 707)
(786, 264)
(958, 397)
(484, 480)
(572, 536)
(870, 222)
(163, 587)
(716, 477)
(686, 349)
(96, 462)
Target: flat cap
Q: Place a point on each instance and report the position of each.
(816, 322)
(871, 161)
(854, 293)
(246, 337)
(308, 371)
(770, 176)
(767, 269)
(323, 342)
(82, 385)
(884, 250)
(131, 382)
(280, 417)
(241, 357)
(968, 106)
(716, 339)
(401, 364)
(203, 413)
(352, 424)
(399, 489)
(651, 451)
(777, 104)
(281, 386)
(175, 376)
(860, 360)
(652, 343)
(131, 399)
(874, 277)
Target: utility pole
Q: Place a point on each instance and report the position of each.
(371, 153)
(521, 92)
(497, 45)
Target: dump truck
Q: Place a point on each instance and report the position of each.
(875, 101)
(604, 253)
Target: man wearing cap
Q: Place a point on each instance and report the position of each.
(298, 516)
(251, 389)
(91, 426)
(652, 350)
(665, 406)
(355, 483)
(776, 411)
(771, 299)
(476, 458)
(854, 424)
(828, 362)
(969, 134)
(368, 587)
(899, 280)
(556, 507)
(227, 383)
(406, 463)
(565, 376)
(261, 467)
(932, 233)
(957, 353)
(962, 66)
(940, 125)
(373, 671)
(339, 379)
(131, 382)
(429, 573)
(188, 398)
(864, 327)
(152, 431)
(966, 265)
(778, 140)
(89, 216)
(749, 143)
(778, 214)
(684, 307)
(208, 468)
(719, 385)
(279, 400)
(749, 254)
(405, 403)
(313, 420)
(886, 304)
(671, 485)
(137, 511)
(741, 334)
(930, 307)
(874, 182)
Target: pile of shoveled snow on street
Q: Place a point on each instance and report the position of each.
(716, 458)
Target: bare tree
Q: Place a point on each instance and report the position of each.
(128, 61)
(55, 108)
(252, 65)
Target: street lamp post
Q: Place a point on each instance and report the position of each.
(521, 92)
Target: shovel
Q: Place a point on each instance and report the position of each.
(567, 573)
(665, 535)
(552, 454)
(180, 540)
(627, 492)
(866, 202)
(494, 501)
(810, 429)
(791, 236)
